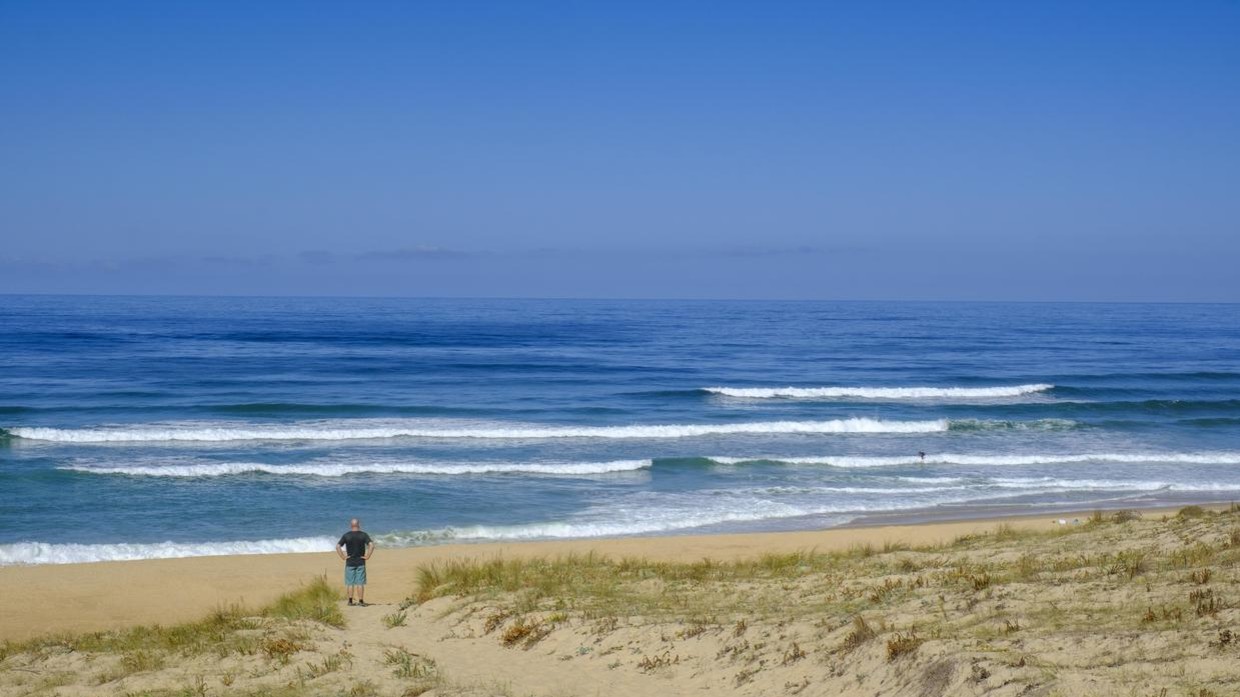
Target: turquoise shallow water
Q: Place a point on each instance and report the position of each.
(148, 427)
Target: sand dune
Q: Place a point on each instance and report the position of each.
(1116, 605)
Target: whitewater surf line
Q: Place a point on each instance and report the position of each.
(70, 553)
(325, 469)
(881, 393)
(341, 431)
(1198, 458)
(1041, 483)
(739, 507)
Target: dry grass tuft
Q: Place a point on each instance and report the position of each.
(1201, 576)
(282, 648)
(650, 664)
(861, 633)
(882, 592)
(902, 645)
(697, 627)
(980, 581)
(1205, 602)
(1129, 564)
(793, 654)
(527, 634)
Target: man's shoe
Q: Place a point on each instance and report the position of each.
(350, 601)
(362, 603)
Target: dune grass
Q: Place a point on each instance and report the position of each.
(225, 631)
(1013, 597)
(860, 580)
(593, 578)
(318, 601)
(1022, 603)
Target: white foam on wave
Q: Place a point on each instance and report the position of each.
(1107, 484)
(645, 514)
(338, 430)
(1199, 458)
(931, 480)
(880, 393)
(48, 553)
(650, 522)
(648, 512)
(340, 469)
(670, 513)
(828, 490)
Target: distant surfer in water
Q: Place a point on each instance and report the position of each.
(921, 454)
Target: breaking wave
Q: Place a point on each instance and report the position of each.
(1201, 458)
(826, 505)
(48, 553)
(880, 393)
(340, 469)
(650, 522)
(1105, 484)
(353, 431)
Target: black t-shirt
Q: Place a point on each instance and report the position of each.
(354, 543)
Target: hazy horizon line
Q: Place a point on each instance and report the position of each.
(621, 299)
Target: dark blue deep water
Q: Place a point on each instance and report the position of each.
(143, 427)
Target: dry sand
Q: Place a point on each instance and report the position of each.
(1119, 607)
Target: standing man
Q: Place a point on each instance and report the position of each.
(355, 547)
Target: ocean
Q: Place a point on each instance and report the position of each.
(141, 427)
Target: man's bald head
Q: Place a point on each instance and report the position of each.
(355, 524)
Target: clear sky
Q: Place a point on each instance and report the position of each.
(868, 150)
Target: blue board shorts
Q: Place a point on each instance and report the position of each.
(355, 575)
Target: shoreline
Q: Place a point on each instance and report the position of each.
(39, 600)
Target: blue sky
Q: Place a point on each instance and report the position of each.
(869, 150)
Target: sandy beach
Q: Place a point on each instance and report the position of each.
(1110, 604)
(51, 598)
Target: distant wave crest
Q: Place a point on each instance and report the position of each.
(361, 431)
(340, 469)
(879, 393)
(1199, 458)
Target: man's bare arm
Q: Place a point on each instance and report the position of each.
(370, 549)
